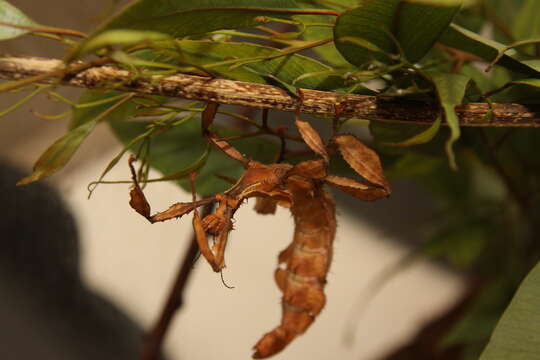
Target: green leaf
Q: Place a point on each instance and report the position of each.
(461, 243)
(414, 26)
(525, 91)
(533, 63)
(190, 17)
(527, 22)
(517, 335)
(477, 323)
(9, 14)
(528, 82)
(328, 52)
(414, 164)
(178, 148)
(419, 25)
(63, 149)
(450, 91)
(449, 3)
(389, 137)
(117, 37)
(470, 42)
(181, 145)
(218, 57)
(101, 98)
(372, 22)
(421, 138)
(59, 153)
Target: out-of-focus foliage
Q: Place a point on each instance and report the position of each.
(9, 14)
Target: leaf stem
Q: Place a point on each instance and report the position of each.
(243, 136)
(273, 10)
(255, 36)
(47, 29)
(39, 88)
(332, 3)
(287, 51)
(60, 73)
(508, 47)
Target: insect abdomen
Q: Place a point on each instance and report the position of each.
(306, 262)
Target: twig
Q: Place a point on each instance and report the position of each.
(153, 343)
(52, 71)
(225, 91)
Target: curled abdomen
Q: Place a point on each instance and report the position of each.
(303, 266)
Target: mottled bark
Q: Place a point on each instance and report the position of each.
(225, 91)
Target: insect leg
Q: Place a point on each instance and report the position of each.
(140, 204)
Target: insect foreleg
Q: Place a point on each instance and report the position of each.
(140, 204)
(202, 241)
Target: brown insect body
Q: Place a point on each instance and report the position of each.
(307, 261)
(304, 264)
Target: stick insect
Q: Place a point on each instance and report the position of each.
(304, 264)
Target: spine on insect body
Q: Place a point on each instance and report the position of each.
(304, 264)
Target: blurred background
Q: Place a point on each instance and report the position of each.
(83, 279)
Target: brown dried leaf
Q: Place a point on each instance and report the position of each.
(357, 189)
(265, 205)
(312, 138)
(208, 115)
(138, 202)
(227, 148)
(362, 159)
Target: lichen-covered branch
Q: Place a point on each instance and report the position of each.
(225, 91)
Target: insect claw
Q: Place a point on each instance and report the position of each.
(223, 281)
(137, 199)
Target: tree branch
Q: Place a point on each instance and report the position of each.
(224, 91)
(152, 345)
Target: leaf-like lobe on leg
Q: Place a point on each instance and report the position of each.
(179, 209)
(265, 205)
(137, 199)
(312, 138)
(227, 149)
(202, 241)
(359, 190)
(313, 169)
(138, 202)
(362, 159)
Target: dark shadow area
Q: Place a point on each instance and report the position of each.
(46, 310)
